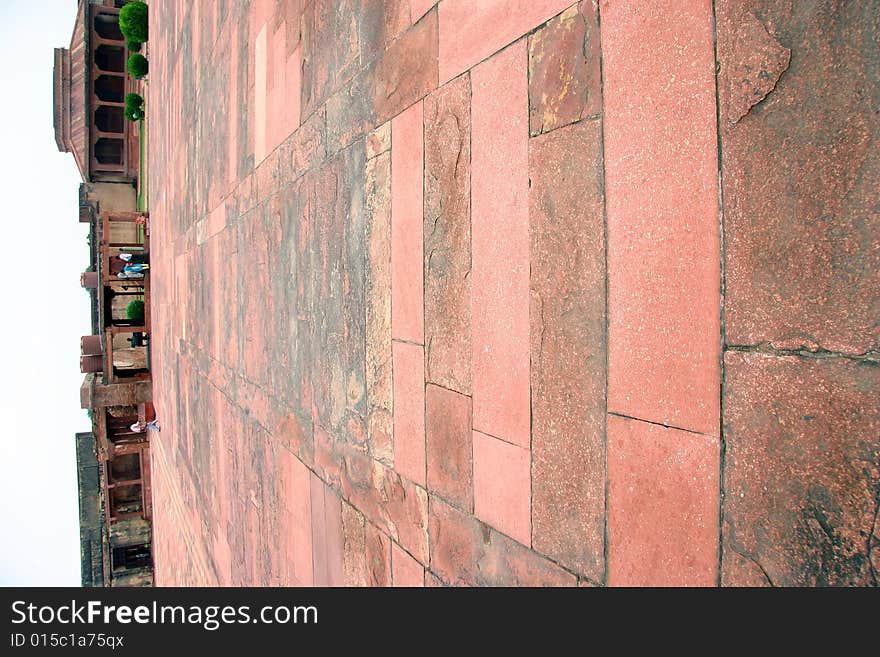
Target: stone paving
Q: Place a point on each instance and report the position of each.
(447, 293)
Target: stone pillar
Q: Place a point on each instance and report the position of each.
(91, 364)
(89, 280)
(90, 345)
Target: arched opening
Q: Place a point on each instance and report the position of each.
(124, 467)
(126, 500)
(108, 150)
(107, 27)
(110, 119)
(110, 58)
(110, 88)
(127, 557)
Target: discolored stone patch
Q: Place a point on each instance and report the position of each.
(802, 471)
(801, 170)
(403, 74)
(378, 306)
(564, 79)
(447, 235)
(354, 551)
(378, 557)
(568, 346)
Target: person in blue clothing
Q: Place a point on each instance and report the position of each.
(152, 425)
(135, 258)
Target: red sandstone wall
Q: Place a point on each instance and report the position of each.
(515, 292)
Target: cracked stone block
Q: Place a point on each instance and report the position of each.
(661, 174)
(564, 79)
(568, 346)
(466, 552)
(447, 235)
(802, 471)
(801, 170)
(663, 505)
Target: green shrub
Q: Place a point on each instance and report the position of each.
(134, 46)
(133, 21)
(137, 66)
(134, 107)
(134, 100)
(135, 311)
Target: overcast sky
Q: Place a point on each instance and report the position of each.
(43, 249)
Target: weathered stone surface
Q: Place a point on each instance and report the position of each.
(346, 37)
(447, 236)
(756, 61)
(406, 72)
(564, 78)
(663, 505)
(466, 552)
(378, 557)
(378, 307)
(449, 446)
(379, 141)
(567, 316)
(380, 23)
(354, 536)
(392, 503)
(800, 175)
(802, 471)
(318, 73)
(307, 146)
